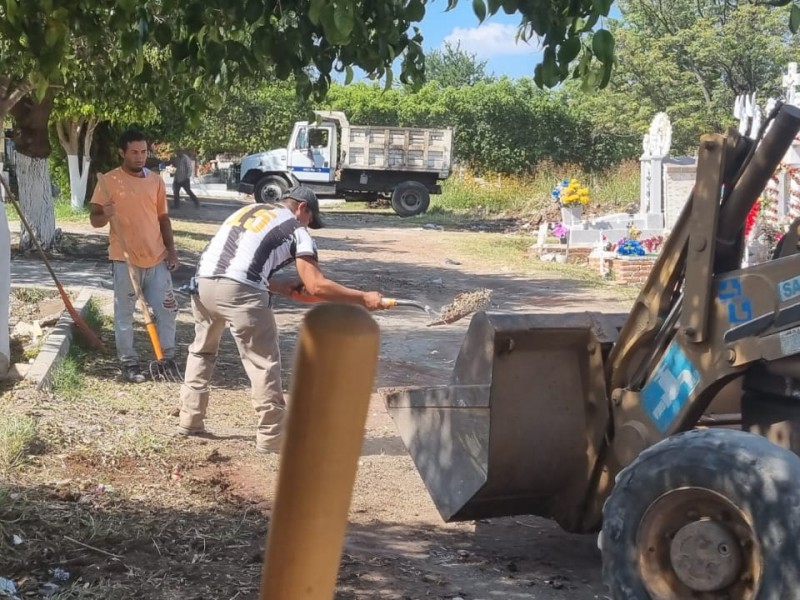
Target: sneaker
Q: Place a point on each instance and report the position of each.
(133, 374)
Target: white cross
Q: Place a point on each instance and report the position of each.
(790, 81)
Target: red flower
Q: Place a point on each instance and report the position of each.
(751, 218)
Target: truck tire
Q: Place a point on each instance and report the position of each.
(270, 189)
(710, 513)
(410, 198)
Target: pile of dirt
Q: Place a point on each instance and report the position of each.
(33, 312)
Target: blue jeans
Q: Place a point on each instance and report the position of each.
(156, 284)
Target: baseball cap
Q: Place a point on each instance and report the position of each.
(303, 194)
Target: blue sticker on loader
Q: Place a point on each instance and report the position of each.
(740, 309)
(667, 391)
(789, 289)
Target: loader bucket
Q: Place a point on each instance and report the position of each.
(517, 429)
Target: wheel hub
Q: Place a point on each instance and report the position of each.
(705, 556)
(694, 542)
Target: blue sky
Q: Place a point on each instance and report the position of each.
(493, 40)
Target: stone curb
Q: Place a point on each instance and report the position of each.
(57, 344)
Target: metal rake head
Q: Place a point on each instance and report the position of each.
(165, 370)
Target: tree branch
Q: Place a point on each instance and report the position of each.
(91, 124)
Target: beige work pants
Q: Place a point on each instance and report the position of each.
(222, 302)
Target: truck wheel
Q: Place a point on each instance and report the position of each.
(410, 198)
(708, 514)
(270, 189)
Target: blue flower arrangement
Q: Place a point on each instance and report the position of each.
(629, 247)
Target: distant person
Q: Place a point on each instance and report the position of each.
(233, 290)
(137, 199)
(184, 167)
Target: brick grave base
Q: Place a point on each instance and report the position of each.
(627, 270)
(576, 255)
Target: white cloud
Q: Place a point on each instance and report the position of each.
(489, 40)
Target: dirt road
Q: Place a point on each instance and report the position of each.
(186, 518)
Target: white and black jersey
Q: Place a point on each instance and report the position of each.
(255, 242)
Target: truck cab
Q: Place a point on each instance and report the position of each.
(313, 154)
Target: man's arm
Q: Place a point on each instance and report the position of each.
(320, 286)
(169, 241)
(99, 214)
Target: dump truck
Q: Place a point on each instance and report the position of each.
(673, 430)
(360, 163)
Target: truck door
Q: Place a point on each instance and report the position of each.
(310, 153)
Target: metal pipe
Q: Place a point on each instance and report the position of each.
(757, 173)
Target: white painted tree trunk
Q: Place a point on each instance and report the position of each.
(5, 291)
(78, 180)
(36, 199)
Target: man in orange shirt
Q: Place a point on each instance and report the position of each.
(136, 199)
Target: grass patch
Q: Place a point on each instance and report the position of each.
(30, 295)
(68, 379)
(63, 210)
(97, 322)
(95, 318)
(18, 436)
(496, 194)
(496, 249)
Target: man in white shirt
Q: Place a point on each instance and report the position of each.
(233, 286)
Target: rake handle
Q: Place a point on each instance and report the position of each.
(87, 331)
(334, 371)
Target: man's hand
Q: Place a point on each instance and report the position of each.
(373, 301)
(284, 287)
(172, 260)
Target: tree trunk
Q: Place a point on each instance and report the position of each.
(70, 134)
(10, 94)
(5, 292)
(36, 200)
(32, 142)
(78, 179)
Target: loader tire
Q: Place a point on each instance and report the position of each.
(410, 198)
(711, 514)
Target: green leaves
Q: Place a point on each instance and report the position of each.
(602, 7)
(479, 8)
(12, 11)
(415, 10)
(794, 18)
(603, 46)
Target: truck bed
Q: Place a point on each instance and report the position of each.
(397, 149)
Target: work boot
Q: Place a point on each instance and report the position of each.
(268, 448)
(191, 432)
(133, 374)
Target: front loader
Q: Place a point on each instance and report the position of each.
(672, 429)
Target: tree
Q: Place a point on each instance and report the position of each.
(248, 117)
(691, 58)
(453, 67)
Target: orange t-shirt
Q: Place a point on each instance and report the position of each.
(140, 201)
